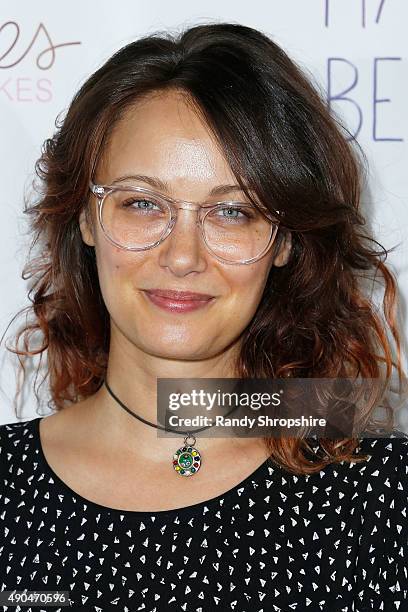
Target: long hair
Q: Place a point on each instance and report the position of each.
(282, 142)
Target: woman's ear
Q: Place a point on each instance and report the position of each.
(86, 227)
(282, 256)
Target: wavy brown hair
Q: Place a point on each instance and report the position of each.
(283, 143)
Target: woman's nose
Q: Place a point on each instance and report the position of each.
(183, 249)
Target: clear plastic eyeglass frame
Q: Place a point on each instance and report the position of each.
(101, 191)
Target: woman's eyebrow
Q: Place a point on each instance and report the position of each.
(157, 183)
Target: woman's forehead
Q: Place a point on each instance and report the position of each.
(161, 141)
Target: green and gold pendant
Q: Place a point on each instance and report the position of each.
(187, 460)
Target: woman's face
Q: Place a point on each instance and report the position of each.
(162, 137)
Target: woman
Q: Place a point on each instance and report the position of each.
(91, 501)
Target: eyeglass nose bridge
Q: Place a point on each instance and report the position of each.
(187, 205)
(174, 206)
(200, 208)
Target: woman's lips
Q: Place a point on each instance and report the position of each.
(173, 305)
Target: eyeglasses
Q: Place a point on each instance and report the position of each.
(136, 219)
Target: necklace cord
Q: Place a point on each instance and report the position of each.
(144, 420)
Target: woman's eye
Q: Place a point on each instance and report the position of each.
(236, 212)
(139, 204)
(232, 212)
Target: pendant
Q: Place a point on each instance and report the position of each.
(187, 460)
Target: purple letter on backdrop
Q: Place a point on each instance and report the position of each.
(380, 100)
(363, 12)
(341, 95)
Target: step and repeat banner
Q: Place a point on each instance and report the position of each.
(355, 51)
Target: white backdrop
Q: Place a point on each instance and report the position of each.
(354, 50)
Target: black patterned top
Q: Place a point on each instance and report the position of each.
(335, 541)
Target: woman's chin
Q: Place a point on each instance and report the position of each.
(183, 352)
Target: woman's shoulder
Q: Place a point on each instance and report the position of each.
(386, 469)
(15, 438)
(392, 447)
(16, 430)
(390, 451)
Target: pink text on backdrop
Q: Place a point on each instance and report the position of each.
(41, 30)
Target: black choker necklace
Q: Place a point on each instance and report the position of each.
(187, 459)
